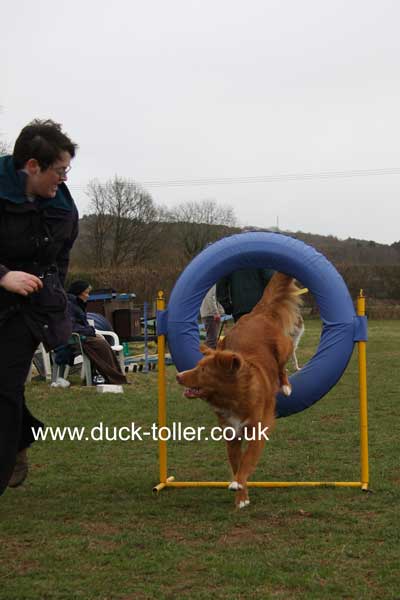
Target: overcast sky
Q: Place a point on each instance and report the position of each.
(242, 102)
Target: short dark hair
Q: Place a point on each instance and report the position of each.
(78, 286)
(43, 140)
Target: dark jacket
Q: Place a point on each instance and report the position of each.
(77, 313)
(36, 237)
(65, 354)
(240, 291)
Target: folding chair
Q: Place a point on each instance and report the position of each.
(41, 361)
(62, 370)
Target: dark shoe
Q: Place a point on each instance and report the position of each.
(20, 470)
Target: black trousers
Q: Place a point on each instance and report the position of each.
(17, 347)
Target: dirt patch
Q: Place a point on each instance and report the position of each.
(101, 528)
(99, 545)
(242, 534)
(331, 419)
(16, 566)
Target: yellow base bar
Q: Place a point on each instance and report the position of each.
(163, 484)
(272, 484)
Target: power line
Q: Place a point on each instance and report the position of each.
(280, 177)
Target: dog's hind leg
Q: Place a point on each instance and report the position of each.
(296, 339)
(284, 382)
(295, 361)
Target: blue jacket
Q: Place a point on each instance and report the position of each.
(77, 313)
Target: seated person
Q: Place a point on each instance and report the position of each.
(94, 345)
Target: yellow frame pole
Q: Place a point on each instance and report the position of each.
(362, 373)
(162, 398)
(166, 481)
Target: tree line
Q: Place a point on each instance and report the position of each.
(125, 227)
(128, 243)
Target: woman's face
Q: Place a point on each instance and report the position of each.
(85, 294)
(45, 182)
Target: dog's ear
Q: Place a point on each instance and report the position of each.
(205, 349)
(230, 361)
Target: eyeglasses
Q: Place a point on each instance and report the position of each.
(61, 171)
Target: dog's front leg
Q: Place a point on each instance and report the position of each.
(234, 450)
(247, 466)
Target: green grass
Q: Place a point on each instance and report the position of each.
(86, 525)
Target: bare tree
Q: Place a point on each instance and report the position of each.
(197, 221)
(4, 148)
(123, 214)
(100, 224)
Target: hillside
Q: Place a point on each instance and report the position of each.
(352, 251)
(363, 264)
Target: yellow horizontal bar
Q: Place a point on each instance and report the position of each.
(266, 484)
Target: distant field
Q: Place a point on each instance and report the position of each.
(86, 525)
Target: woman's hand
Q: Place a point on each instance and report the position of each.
(21, 283)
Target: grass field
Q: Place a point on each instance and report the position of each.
(86, 525)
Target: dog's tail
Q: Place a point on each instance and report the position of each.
(282, 301)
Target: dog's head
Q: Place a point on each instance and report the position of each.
(213, 374)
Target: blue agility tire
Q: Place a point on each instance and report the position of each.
(281, 253)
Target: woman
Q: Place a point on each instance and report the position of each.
(95, 346)
(38, 227)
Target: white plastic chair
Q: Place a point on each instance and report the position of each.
(86, 372)
(42, 362)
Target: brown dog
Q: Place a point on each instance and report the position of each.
(240, 379)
